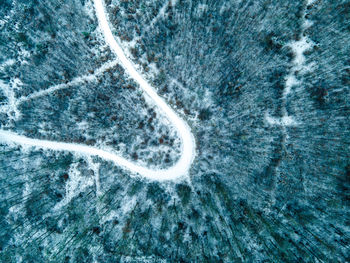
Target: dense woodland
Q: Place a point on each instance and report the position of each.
(257, 192)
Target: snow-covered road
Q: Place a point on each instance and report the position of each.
(182, 166)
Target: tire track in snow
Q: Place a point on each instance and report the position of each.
(181, 167)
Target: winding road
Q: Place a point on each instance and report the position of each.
(181, 167)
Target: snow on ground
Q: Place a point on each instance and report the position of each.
(182, 166)
(74, 82)
(76, 184)
(298, 48)
(95, 166)
(284, 121)
(10, 108)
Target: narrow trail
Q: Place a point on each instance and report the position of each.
(180, 168)
(299, 66)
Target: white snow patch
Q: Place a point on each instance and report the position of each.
(24, 54)
(75, 185)
(310, 2)
(124, 209)
(83, 125)
(9, 91)
(284, 121)
(7, 63)
(288, 121)
(307, 24)
(89, 9)
(299, 47)
(94, 166)
(223, 8)
(271, 120)
(290, 82)
(201, 8)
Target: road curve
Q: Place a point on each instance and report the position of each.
(180, 168)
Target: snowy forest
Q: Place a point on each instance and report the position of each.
(262, 85)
